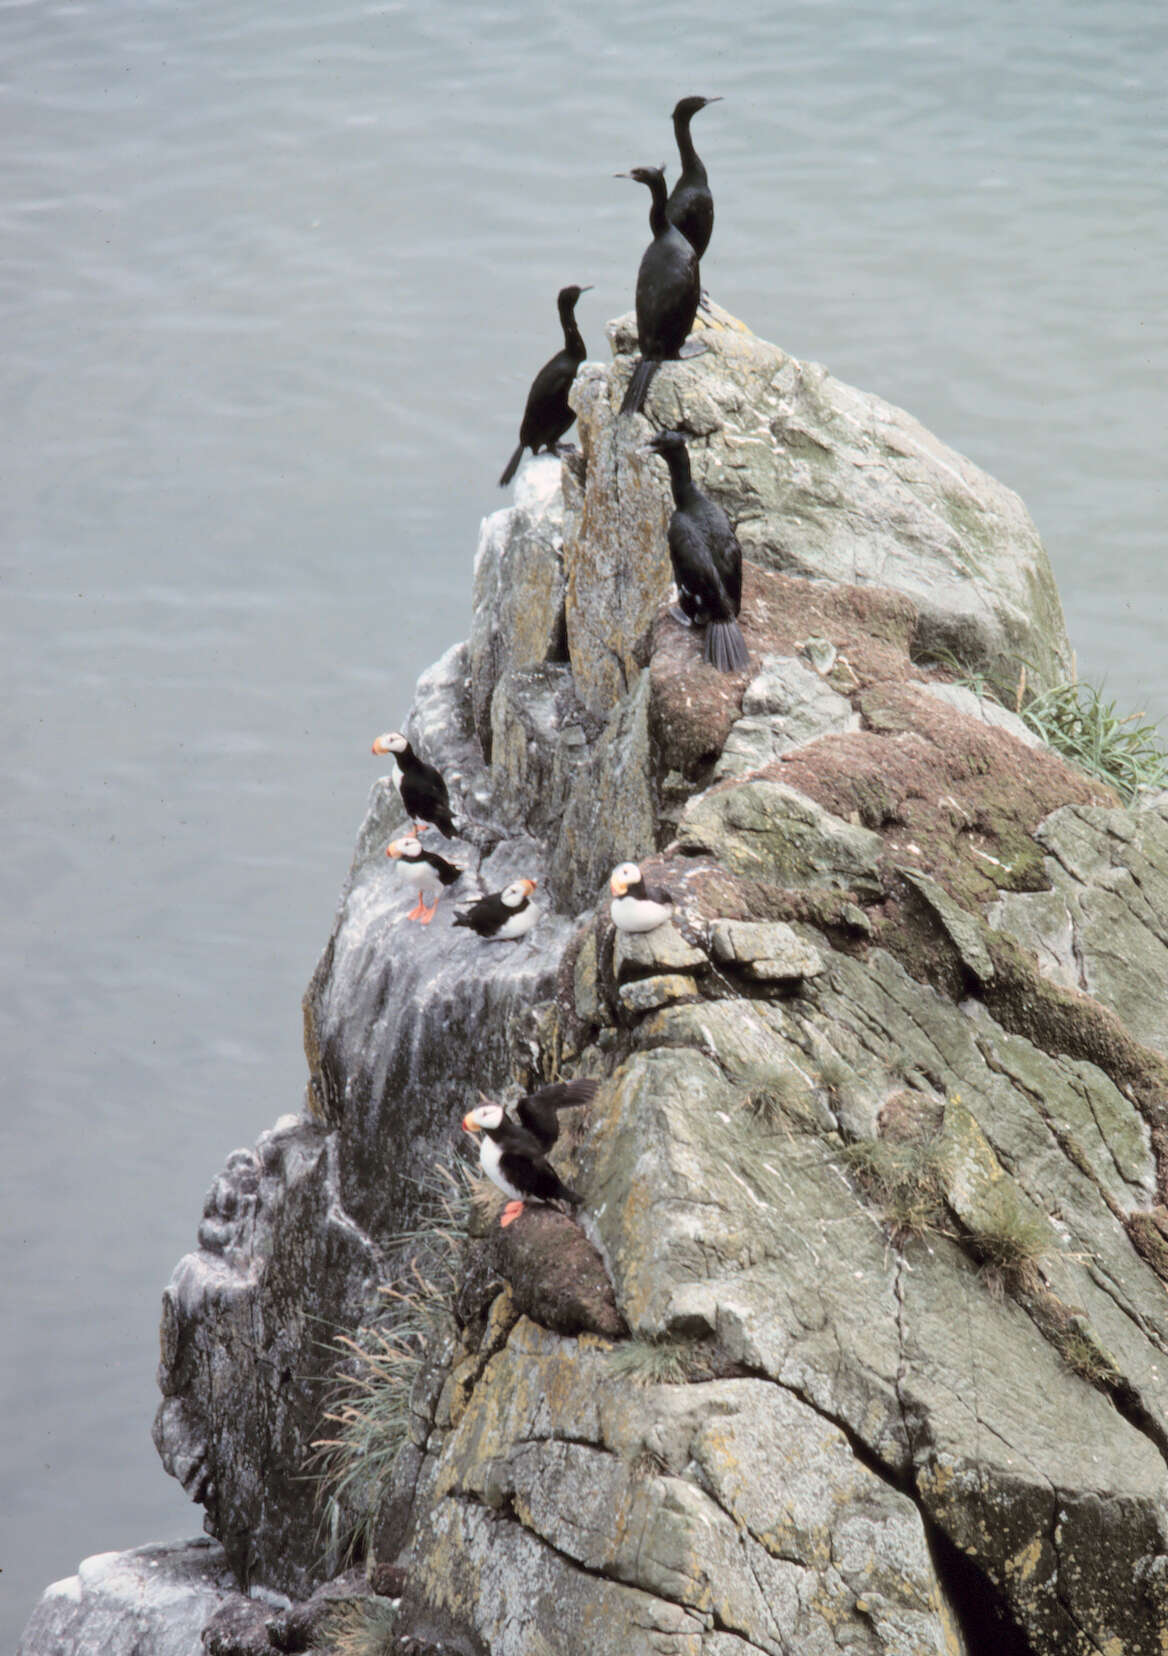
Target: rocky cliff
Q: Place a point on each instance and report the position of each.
(861, 1341)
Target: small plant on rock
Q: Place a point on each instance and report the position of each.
(906, 1179)
(1010, 1238)
(661, 1362)
(1074, 719)
(368, 1421)
(365, 1628)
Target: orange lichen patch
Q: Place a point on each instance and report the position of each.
(953, 796)
(693, 705)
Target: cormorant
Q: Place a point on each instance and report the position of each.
(690, 207)
(423, 792)
(547, 415)
(668, 289)
(706, 558)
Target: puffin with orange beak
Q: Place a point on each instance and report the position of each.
(513, 1159)
(504, 914)
(426, 871)
(636, 907)
(423, 792)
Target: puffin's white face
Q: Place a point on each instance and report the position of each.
(623, 876)
(511, 896)
(487, 1116)
(391, 742)
(409, 848)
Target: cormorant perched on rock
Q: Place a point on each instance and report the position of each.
(423, 792)
(690, 207)
(636, 907)
(503, 915)
(669, 287)
(547, 415)
(513, 1159)
(706, 558)
(426, 871)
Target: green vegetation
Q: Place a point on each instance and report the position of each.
(1082, 1353)
(368, 1420)
(1075, 720)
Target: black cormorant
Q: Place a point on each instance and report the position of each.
(547, 415)
(668, 289)
(706, 558)
(690, 207)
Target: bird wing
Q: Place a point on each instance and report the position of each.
(536, 1176)
(487, 915)
(537, 1110)
(447, 872)
(700, 587)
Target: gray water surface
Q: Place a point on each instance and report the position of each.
(273, 282)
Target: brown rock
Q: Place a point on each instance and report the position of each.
(557, 1277)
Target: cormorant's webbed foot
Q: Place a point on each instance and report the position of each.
(691, 349)
(704, 302)
(680, 616)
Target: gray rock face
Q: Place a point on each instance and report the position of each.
(155, 1599)
(876, 1191)
(834, 483)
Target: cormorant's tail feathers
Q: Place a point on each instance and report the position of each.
(512, 466)
(726, 648)
(639, 385)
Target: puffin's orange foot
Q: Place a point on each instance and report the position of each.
(510, 1213)
(418, 909)
(428, 914)
(421, 828)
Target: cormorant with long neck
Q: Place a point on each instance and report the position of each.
(690, 207)
(668, 289)
(547, 415)
(706, 558)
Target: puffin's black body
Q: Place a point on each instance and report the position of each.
(547, 415)
(706, 558)
(690, 207)
(494, 917)
(669, 287)
(447, 872)
(539, 1111)
(514, 1160)
(423, 792)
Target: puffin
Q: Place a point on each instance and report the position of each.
(504, 914)
(547, 414)
(635, 906)
(513, 1159)
(423, 792)
(539, 1112)
(426, 871)
(706, 559)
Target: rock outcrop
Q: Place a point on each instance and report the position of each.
(861, 1340)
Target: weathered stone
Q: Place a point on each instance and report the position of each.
(538, 745)
(518, 588)
(986, 709)
(661, 950)
(783, 707)
(555, 1274)
(770, 950)
(302, 1625)
(768, 831)
(833, 483)
(155, 1599)
(644, 994)
(962, 930)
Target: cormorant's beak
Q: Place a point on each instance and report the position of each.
(587, 289)
(622, 175)
(718, 99)
(469, 1126)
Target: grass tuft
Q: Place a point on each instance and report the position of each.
(365, 1628)
(1010, 1238)
(1075, 720)
(1083, 1354)
(368, 1420)
(906, 1178)
(660, 1362)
